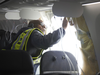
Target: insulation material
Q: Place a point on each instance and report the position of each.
(90, 65)
(46, 17)
(12, 25)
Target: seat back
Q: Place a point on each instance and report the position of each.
(15, 62)
(58, 63)
(2, 39)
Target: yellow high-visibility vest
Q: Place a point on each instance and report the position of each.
(21, 42)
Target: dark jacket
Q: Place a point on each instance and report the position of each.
(38, 41)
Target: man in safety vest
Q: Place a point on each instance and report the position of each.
(33, 40)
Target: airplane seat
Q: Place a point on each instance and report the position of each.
(16, 62)
(58, 63)
(13, 36)
(5, 38)
(2, 39)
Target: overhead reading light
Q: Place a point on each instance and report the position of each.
(91, 3)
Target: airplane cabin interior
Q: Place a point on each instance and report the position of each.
(76, 54)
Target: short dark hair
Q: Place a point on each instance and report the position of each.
(34, 23)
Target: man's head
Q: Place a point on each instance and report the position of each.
(37, 24)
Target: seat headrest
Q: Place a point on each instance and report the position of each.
(15, 62)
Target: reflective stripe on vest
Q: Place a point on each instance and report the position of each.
(19, 43)
(37, 60)
(22, 41)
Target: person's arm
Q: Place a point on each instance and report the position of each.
(65, 23)
(40, 41)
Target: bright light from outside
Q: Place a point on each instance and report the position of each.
(69, 42)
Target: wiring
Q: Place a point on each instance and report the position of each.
(68, 59)
(10, 40)
(70, 63)
(14, 28)
(20, 25)
(61, 33)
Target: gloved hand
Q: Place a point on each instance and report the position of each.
(65, 23)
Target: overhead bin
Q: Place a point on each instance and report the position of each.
(67, 9)
(12, 15)
(29, 13)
